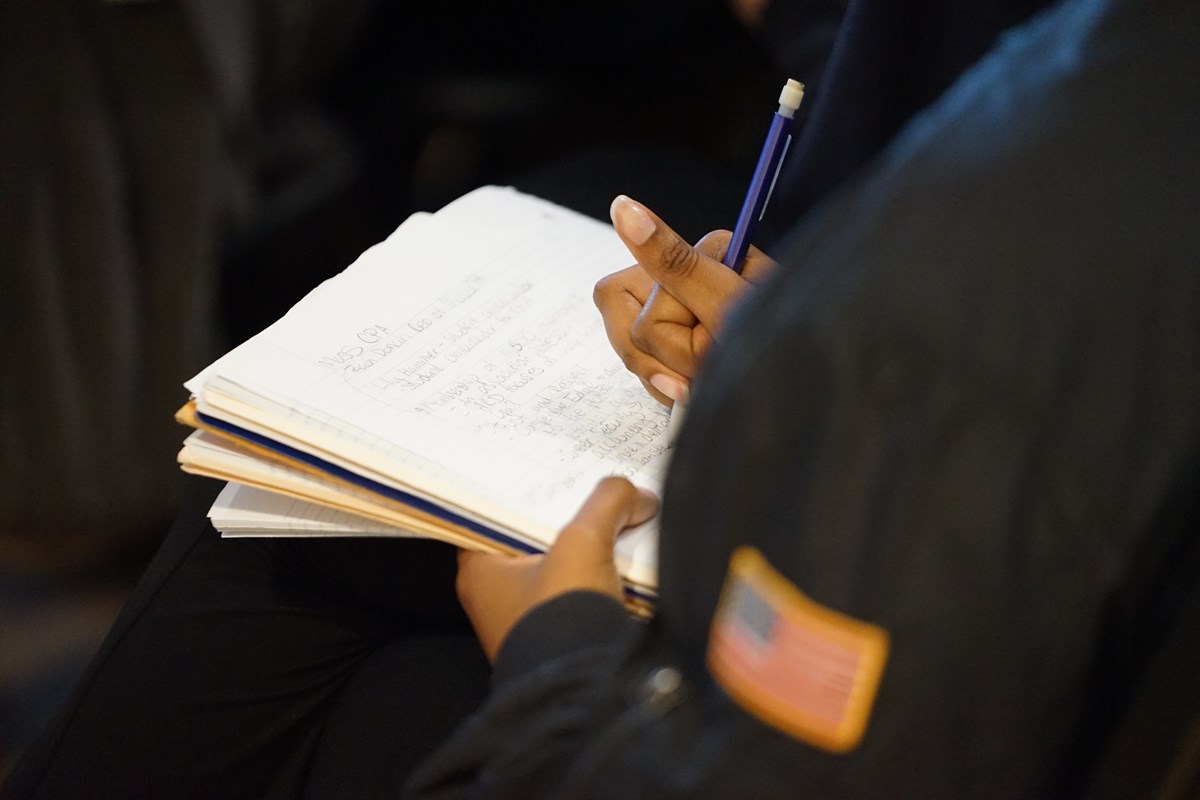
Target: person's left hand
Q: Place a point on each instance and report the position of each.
(497, 590)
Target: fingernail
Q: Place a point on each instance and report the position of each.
(676, 390)
(631, 220)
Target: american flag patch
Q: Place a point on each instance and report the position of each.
(805, 669)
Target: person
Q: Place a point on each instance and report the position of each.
(949, 447)
(945, 466)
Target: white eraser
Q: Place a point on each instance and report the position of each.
(790, 97)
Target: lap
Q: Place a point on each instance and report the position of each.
(240, 666)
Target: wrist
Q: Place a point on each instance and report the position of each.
(565, 624)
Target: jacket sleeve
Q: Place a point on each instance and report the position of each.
(548, 694)
(584, 705)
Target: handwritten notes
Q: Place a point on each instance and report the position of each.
(462, 359)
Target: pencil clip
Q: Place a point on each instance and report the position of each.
(775, 178)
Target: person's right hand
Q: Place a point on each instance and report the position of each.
(662, 314)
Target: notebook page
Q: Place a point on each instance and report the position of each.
(244, 510)
(464, 356)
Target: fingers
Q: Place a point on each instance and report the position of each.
(697, 280)
(622, 298)
(497, 590)
(668, 331)
(755, 269)
(582, 555)
(614, 505)
(663, 332)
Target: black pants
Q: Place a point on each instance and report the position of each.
(266, 668)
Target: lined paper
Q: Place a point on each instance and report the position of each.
(461, 358)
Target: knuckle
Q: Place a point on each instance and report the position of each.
(678, 258)
(631, 357)
(620, 488)
(714, 244)
(602, 291)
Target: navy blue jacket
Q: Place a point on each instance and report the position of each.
(969, 415)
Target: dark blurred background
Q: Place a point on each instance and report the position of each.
(175, 175)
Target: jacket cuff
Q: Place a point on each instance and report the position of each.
(560, 626)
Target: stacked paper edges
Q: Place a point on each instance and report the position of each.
(454, 383)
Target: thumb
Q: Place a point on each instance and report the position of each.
(582, 555)
(698, 281)
(614, 505)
